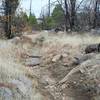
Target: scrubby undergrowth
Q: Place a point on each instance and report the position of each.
(47, 80)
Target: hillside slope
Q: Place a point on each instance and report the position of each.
(47, 66)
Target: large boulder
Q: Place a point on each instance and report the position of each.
(92, 48)
(83, 82)
(23, 89)
(82, 58)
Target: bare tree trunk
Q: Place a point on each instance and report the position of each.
(73, 14)
(10, 7)
(7, 13)
(49, 7)
(67, 17)
(95, 14)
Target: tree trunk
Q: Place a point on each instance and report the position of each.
(95, 14)
(7, 13)
(67, 17)
(10, 7)
(73, 14)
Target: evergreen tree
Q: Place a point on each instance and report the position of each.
(58, 15)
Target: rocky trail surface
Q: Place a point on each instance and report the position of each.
(49, 67)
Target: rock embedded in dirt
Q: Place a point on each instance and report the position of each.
(56, 58)
(83, 82)
(92, 48)
(32, 61)
(15, 40)
(22, 88)
(82, 58)
(6, 94)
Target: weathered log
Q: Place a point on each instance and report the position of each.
(92, 48)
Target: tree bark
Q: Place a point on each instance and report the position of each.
(67, 18)
(73, 14)
(95, 14)
(10, 7)
(7, 13)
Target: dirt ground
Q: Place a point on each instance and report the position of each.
(55, 66)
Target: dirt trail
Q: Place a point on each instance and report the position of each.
(60, 72)
(46, 66)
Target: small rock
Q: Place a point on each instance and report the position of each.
(92, 48)
(64, 55)
(15, 40)
(82, 58)
(56, 58)
(32, 61)
(26, 81)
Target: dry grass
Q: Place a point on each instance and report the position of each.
(72, 42)
(9, 66)
(73, 39)
(12, 69)
(10, 53)
(55, 44)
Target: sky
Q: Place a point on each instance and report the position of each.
(36, 6)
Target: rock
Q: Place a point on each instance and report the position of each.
(57, 29)
(83, 82)
(82, 58)
(68, 61)
(32, 61)
(14, 92)
(26, 90)
(83, 68)
(26, 81)
(56, 58)
(15, 40)
(92, 48)
(6, 94)
(22, 88)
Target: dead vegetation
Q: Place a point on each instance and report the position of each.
(62, 64)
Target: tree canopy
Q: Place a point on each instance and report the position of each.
(58, 15)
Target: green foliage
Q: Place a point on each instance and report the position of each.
(58, 15)
(49, 22)
(32, 20)
(25, 17)
(56, 18)
(20, 19)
